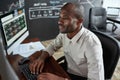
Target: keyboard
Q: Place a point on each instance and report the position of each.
(24, 68)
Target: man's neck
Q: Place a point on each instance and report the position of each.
(71, 35)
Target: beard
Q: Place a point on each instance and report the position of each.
(63, 29)
(66, 29)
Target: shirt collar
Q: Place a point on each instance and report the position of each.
(77, 36)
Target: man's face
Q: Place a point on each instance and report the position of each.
(67, 22)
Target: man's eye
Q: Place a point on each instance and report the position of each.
(64, 18)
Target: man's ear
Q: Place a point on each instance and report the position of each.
(79, 21)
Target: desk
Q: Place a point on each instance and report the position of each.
(116, 20)
(50, 65)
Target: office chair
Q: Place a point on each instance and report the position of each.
(98, 21)
(111, 53)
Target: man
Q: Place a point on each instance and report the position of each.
(82, 48)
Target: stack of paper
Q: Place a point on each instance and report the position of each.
(27, 49)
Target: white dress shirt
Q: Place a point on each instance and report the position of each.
(83, 54)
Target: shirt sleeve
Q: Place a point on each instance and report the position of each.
(55, 45)
(94, 55)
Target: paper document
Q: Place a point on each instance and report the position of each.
(28, 49)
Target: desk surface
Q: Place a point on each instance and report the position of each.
(116, 20)
(50, 65)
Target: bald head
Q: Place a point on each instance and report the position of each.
(74, 8)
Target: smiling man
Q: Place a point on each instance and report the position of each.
(82, 48)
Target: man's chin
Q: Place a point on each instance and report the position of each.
(62, 32)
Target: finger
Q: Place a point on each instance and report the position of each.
(41, 68)
(34, 67)
(31, 66)
(41, 77)
(38, 68)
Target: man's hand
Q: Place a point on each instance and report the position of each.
(36, 66)
(49, 76)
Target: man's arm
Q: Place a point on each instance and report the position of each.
(37, 65)
(54, 45)
(50, 76)
(94, 56)
(44, 55)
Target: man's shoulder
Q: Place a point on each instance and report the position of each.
(89, 35)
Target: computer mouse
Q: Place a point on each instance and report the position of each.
(24, 60)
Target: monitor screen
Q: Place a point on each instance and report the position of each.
(113, 11)
(13, 29)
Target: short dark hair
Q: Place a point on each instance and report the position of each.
(76, 7)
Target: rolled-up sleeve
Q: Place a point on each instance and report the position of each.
(94, 56)
(55, 45)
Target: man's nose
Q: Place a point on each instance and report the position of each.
(59, 21)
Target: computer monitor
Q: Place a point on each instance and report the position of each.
(113, 11)
(13, 28)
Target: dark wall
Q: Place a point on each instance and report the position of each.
(42, 15)
(47, 28)
(44, 26)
